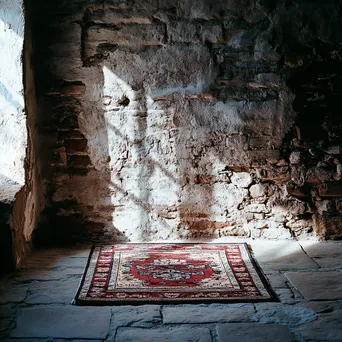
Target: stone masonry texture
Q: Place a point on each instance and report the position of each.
(176, 120)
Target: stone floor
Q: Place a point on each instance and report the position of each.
(35, 303)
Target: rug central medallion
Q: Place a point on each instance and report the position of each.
(170, 270)
(132, 273)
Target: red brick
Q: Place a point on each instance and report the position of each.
(69, 122)
(76, 146)
(295, 191)
(79, 161)
(69, 90)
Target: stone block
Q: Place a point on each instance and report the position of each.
(49, 292)
(166, 334)
(295, 157)
(318, 175)
(184, 32)
(294, 190)
(276, 279)
(136, 316)
(276, 233)
(264, 51)
(111, 16)
(329, 225)
(301, 228)
(67, 340)
(132, 35)
(320, 250)
(258, 190)
(34, 340)
(298, 173)
(34, 275)
(62, 322)
(331, 189)
(269, 80)
(338, 174)
(5, 323)
(12, 293)
(328, 327)
(210, 32)
(290, 315)
(277, 175)
(256, 208)
(7, 317)
(259, 143)
(323, 307)
(207, 314)
(241, 179)
(317, 285)
(334, 149)
(256, 225)
(237, 332)
(282, 255)
(324, 206)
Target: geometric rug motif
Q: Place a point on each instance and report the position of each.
(138, 273)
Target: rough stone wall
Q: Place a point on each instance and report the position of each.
(163, 119)
(19, 204)
(34, 186)
(14, 193)
(315, 149)
(12, 129)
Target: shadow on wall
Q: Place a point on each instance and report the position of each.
(8, 96)
(316, 149)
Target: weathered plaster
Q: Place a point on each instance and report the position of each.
(174, 120)
(19, 182)
(13, 137)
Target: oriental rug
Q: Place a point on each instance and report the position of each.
(172, 273)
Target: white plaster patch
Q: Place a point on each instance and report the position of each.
(13, 136)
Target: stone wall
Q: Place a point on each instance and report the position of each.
(12, 114)
(169, 120)
(19, 207)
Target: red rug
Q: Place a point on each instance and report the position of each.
(178, 273)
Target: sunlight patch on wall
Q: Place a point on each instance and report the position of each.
(13, 135)
(140, 181)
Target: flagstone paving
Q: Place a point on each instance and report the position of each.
(35, 303)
